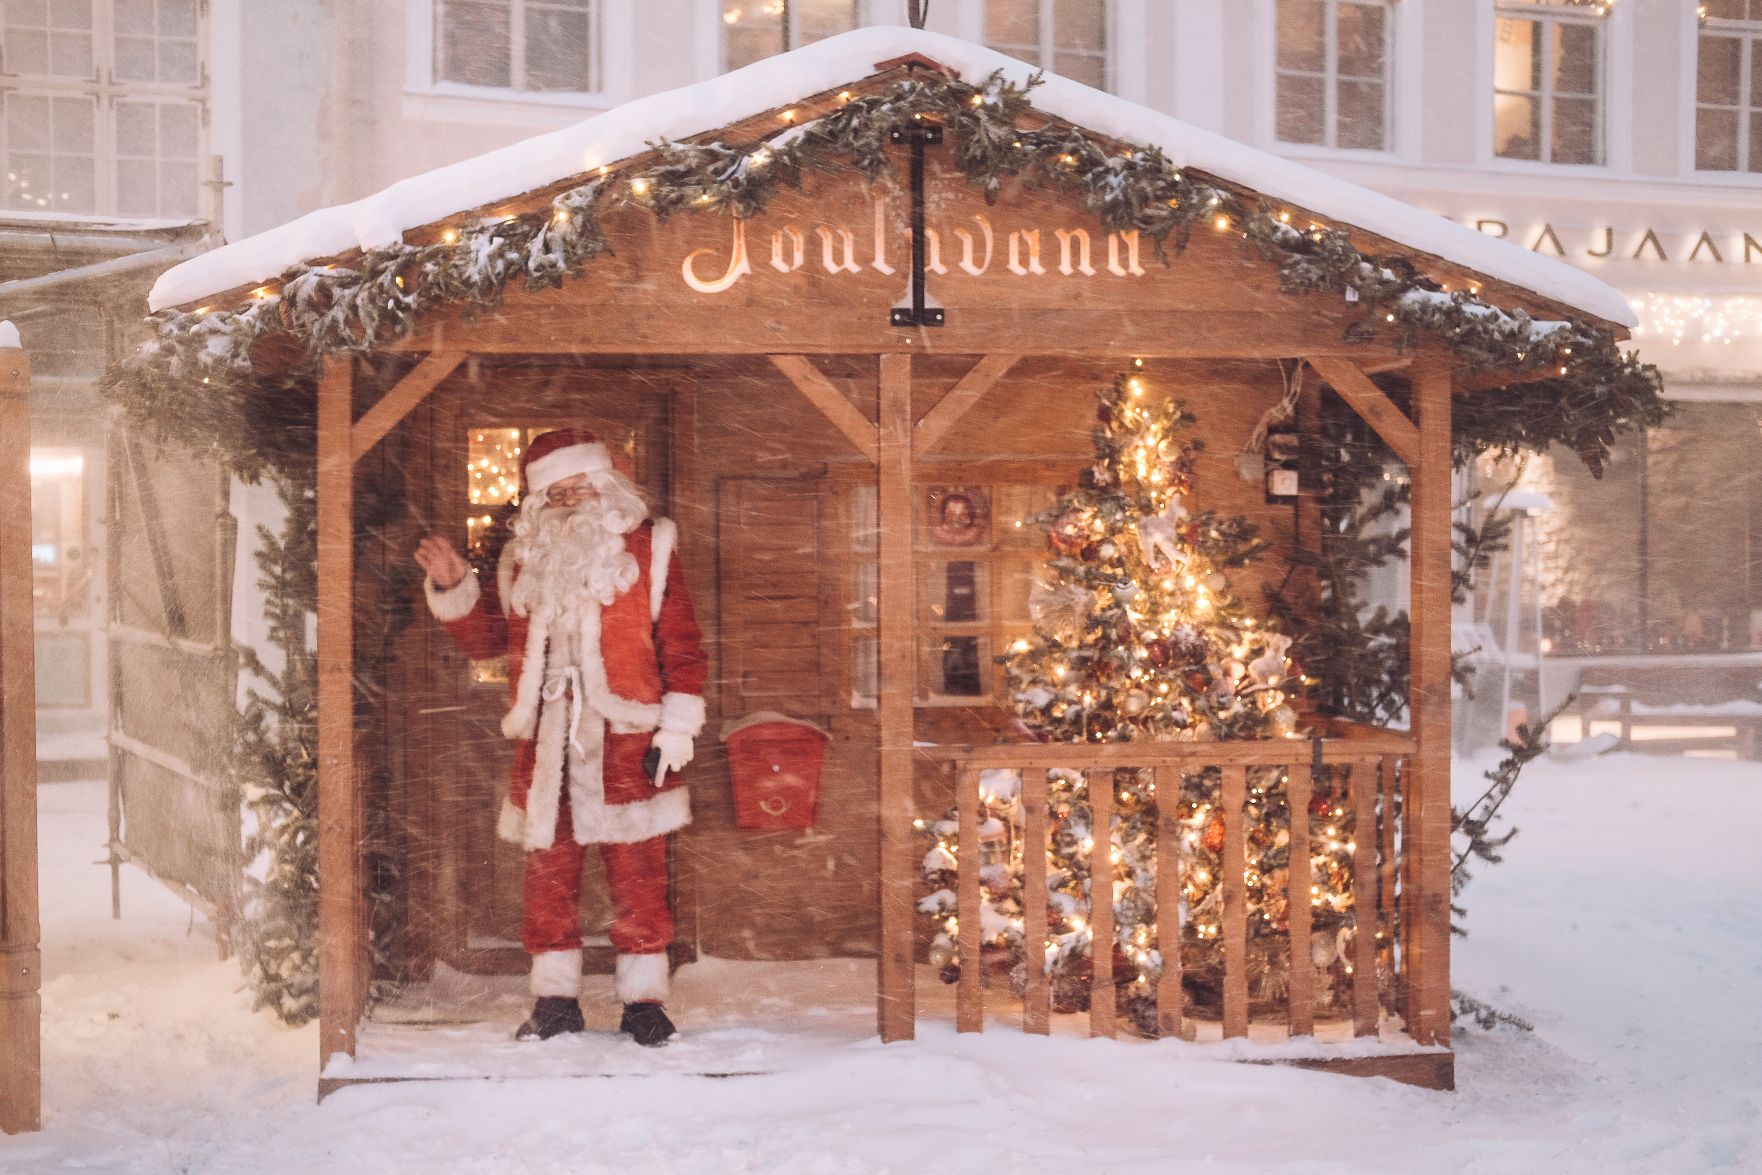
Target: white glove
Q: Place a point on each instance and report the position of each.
(676, 751)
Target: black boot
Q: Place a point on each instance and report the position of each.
(553, 1015)
(647, 1023)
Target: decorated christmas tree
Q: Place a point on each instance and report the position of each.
(1139, 636)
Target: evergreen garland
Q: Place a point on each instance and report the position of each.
(196, 377)
(275, 763)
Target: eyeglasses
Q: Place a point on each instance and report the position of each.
(563, 495)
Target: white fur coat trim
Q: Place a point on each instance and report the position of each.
(557, 973)
(592, 820)
(662, 540)
(454, 603)
(642, 978)
(683, 713)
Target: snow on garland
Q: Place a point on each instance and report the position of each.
(194, 378)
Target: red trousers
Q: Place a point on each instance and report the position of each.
(636, 874)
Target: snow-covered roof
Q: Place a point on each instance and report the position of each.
(380, 220)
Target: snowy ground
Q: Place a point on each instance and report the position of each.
(1624, 922)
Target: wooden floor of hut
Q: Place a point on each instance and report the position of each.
(735, 1018)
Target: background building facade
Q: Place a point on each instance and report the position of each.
(1624, 137)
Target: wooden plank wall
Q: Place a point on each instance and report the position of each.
(176, 811)
(766, 469)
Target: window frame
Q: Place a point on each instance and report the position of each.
(1047, 49)
(429, 96)
(999, 622)
(791, 34)
(1331, 78)
(1607, 24)
(1749, 32)
(106, 91)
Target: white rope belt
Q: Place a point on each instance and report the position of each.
(561, 683)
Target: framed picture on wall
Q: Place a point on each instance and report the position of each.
(957, 516)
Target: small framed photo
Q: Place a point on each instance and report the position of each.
(957, 516)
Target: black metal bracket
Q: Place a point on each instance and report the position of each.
(919, 135)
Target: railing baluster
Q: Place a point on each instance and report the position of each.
(970, 996)
(1387, 865)
(1407, 912)
(1036, 1007)
(1363, 793)
(1169, 995)
(1299, 875)
(1101, 1001)
(1235, 795)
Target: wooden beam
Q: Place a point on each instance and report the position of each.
(1368, 400)
(21, 1000)
(597, 328)
(339, 832)
(831, 402)
(401, 400)
(948, 411)
(896, 995)
(1428, 960)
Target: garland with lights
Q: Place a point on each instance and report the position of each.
(1138, 637)
(195, 378)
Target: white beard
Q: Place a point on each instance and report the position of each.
(566, 557)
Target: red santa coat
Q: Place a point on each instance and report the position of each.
(639, 666)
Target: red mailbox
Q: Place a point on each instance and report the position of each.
(775, 761)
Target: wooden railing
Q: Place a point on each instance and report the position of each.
(1372, 766)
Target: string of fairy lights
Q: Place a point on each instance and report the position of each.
(1697, 318)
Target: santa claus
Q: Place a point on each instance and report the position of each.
(606, 671)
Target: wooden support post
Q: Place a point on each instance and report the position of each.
(1428, 963)
(1169, 994)
(21, 1000)
(340, 913)
(1036, 996)
(895, 990)
(1101, 922)
(1235, 919)
(970, 997)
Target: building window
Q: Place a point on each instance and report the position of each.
(753, 30)
(1068, 37)
(533, 45)
(976, 556)
(1728, 87)
(103, 106)
(1548, 81)
(1333, 73)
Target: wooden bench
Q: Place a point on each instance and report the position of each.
(1675, 697)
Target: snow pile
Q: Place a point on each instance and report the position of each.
(1623, 923)
(627, 130)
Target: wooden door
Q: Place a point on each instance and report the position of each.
(631, 418)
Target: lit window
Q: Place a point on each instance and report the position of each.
(1068, 37)
(537, 45)
(753, 30)
(1333, 73)
(1548, 81)
(1728, 87)
(103, 108)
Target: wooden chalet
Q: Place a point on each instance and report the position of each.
(774, 387)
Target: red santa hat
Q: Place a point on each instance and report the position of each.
(560, 454)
